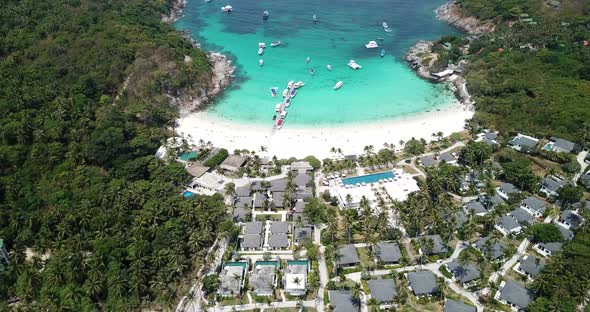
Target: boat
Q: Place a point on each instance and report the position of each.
(338, 85)
(265, 15)
(273, 91)
(288, 102)
(290, 84)
(315, 18)
(274, 117)
(278, 107)
(386, 27)
(298, 84)
(283, 114)
(371, 45)
(312, 71)
(329, 67)
(260, 51)
(227, 8)
(262, 45)
(380, 38)
(285, 92)
(279, 123)
(261, 62)
(382, 52)
(307, 60)
(207, 1)
(276, 43)
(352, 64)
(293, 93)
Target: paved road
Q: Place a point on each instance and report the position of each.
(580, 158)
(519, 252)
(324, 276)
(253, 306)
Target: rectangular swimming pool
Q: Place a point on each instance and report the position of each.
(187, 156)
(370, 178)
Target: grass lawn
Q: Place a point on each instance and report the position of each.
(409, 170)
(366, 261)
(272, 217)
(293, 309)
(413, 306)
(228, 301)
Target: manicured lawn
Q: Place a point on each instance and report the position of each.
(227, 301)
(366, 261)
(272, 217)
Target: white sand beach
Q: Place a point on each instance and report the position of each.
(293, 141)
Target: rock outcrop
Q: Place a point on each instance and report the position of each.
(451, 13)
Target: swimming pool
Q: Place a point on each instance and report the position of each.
(188, 194)
(370, 178)
(186, 156)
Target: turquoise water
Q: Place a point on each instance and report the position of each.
(187, 194)
(369, 178)
(188, 155)
(384, 88)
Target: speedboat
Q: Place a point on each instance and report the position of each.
(260, 51)
(273, 91)
(278, 107)
(285, 92)
(261, 62)
(287, 102)
(265, 15)
(207, 1)
(382, 52)
(371, 45)
(386, 27)
(298, 84)
(283, 114)
(307, 60)
(293, 93)
(227, 8)
(315, 18)
(262, 45)
(329, 67)
(290, 84)
(312, 71)
(352, 64)
(338, 85)
(276, 43)
(279, 123)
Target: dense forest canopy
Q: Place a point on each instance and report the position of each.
(93, 221)
(533, 73)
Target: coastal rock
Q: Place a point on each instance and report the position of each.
(175, 12)
(420, 57)
(451, 13)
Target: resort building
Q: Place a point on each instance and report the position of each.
(565, 233)
(548, 249)
(295, 277)
(438, 246)
(491, 201)
(301, 233)
(278, 200)
(301, 166)
(208, 181)
(551, 185)
(522, 216)
(263, 278)
(488, 137)
(302, 180)
(254, 227)
(514, 295)
(422, 283)
(458, 218)
(523, 143)
(233, 162)
(278, 242)
(251, 242)
(232, 278)
(533, 206)
(466, 274)
(197, 170)
(449, 158)
(387, 253)
(529, 266)
(506, 190)
(383, 290)
(558, 145)
(343, 301)
(457, 306)
(428, 161)
(476, 208)
(260, 201)
(508, 225)
(347, 256)
(241, 214)
(491, 248)
(243, 202)
(280, 227)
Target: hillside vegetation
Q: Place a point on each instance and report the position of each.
(93, 221)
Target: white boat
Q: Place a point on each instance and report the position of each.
(276, 43)
(315, 18)
(265, 15)
(290, 84)
(262, 45)
(298, 84)
(307, 60)
(329, 67)
(285, 92)
(278, 107)
(338, 85)
(352, 64)
(287, 102)
(386, 27)
(260, 51)
(283, 114)
(261, 62)
(371, 45)
(227, 8)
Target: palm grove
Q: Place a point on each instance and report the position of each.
(93, 220)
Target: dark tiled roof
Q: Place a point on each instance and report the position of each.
(388, 252)
(464, 273)
(343, 301)
(532, 265)
(383, 290)
(457, 306)
(516, 294)
(423, 283)
(348, 255)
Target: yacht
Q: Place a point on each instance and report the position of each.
(261, 62)
(276, 43)
(386, 27)
(285, 92)
(371, 45)
(265, 15)
(273, 91)
(279, 123)
(262, 45)
(278, 107)
(338, 85)
(260, 51)
(283, 114)
(352, 64)
(227, 8)
(293, 93)
(290, 84)
(329, 67)
(298, 84)
(287, 102)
